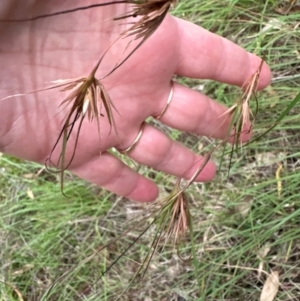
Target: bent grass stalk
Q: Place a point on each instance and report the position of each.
(143, 7)
(64, 12)
(150, 13)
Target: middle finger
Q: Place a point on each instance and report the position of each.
(194, 112)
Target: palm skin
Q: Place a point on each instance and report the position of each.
(35, 53)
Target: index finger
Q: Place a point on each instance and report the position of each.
(203, 54)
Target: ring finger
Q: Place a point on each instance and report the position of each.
(157, 150)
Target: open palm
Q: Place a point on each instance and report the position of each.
(62, 47)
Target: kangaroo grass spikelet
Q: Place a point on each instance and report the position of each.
(151, 13)
(241, 114)
(180, 215)
(240, 111)
(86, 102)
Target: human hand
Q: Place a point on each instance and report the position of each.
(61, 47)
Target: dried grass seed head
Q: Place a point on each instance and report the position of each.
(179, 224)
(151, 13)
(87, 100)
(176, 211)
